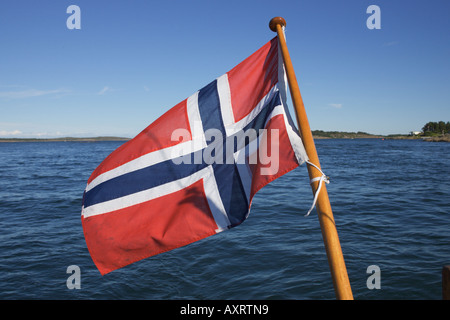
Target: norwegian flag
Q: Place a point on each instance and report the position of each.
(194, 171)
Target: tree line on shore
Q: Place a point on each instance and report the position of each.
(435, 128)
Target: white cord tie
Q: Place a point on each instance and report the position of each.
(321, 179)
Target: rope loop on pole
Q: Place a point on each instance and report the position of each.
(323, 178)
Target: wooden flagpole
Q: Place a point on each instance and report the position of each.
(329, 233)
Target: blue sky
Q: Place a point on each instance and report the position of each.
(133, 60)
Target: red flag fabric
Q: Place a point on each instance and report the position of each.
(194, 171)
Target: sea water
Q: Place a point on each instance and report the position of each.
(390, 199)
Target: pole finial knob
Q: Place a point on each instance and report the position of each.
(277, 20)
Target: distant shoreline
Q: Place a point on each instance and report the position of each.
(64, 139)
(317, 134)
